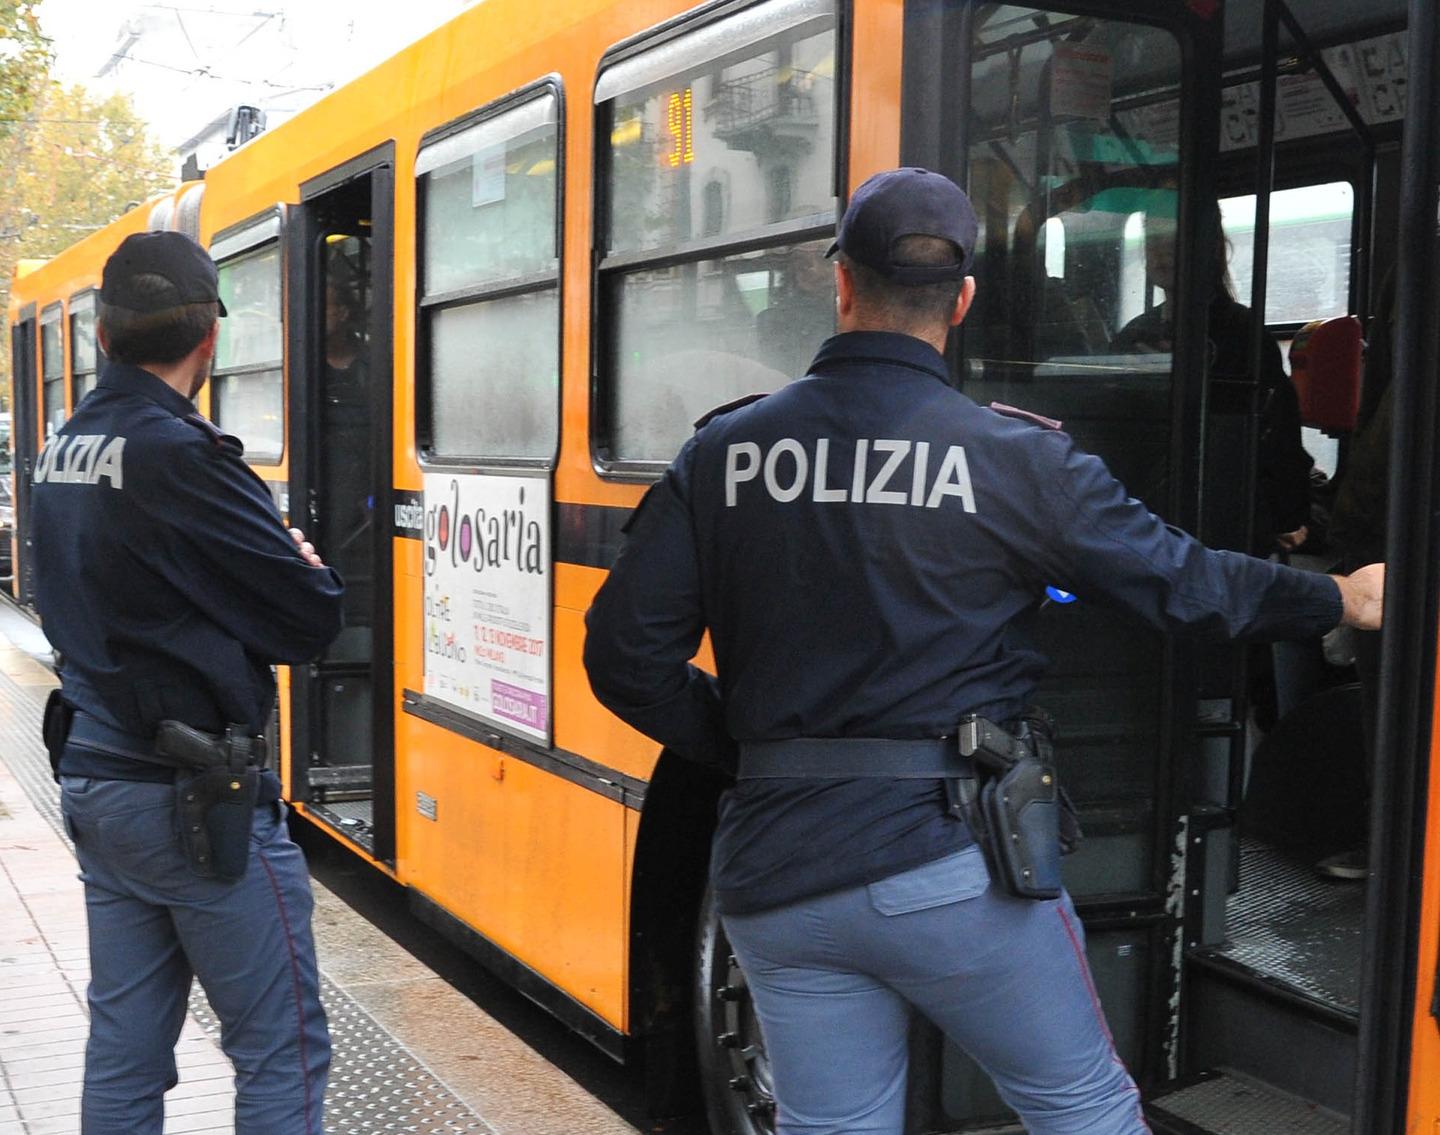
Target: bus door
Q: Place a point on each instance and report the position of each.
(1070, 132)
(342, 705)
(25, 416)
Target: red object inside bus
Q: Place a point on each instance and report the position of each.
(1326, 366)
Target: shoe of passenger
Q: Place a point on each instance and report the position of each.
(1352, 864)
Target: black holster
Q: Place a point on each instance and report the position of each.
(55, 728)
(216, 788)
(1019, 815)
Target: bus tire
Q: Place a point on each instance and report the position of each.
(734, 1070)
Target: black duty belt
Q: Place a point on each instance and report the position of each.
(844, 758)
(176, 745)
(91, 733)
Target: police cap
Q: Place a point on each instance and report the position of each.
(172, 256)
(907, 202)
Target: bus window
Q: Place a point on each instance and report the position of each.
(1310, 228)
(52, 369)
(249, 388)
(717, 205)
(84, 352)
(1309, 275)
(490, 261)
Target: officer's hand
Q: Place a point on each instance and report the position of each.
(307, 549)
(1289, 541)
(1363, 593)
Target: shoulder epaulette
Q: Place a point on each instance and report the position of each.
(1025, 416)
(217, 436)
(706, 418)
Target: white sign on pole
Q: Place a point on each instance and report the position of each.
(487, 598)
(1080, 82)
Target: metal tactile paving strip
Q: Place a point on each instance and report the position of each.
(376, 1086)
(1230, 1106)
(1292, 926)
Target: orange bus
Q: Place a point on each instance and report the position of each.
(477, 297)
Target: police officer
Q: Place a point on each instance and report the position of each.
(168, 585)
(857, 545)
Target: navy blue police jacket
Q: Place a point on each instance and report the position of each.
(166, 579)
(859, 546)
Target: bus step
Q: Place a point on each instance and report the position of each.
(1226, 1103)
(1293, 932)
(340, 777)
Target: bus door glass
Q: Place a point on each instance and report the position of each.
(1073, 162)
(344, 739)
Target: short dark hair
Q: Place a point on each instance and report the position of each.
(164, 336)
(908, 307)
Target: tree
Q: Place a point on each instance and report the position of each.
(75, 164)
(24, 61)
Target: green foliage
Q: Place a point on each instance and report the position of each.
(77, 165)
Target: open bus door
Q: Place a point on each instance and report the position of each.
(1082, 131)
(342, 708)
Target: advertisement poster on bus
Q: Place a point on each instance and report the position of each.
(487, 598)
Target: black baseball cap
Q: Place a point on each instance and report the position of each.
(907, 202)
(170, 255)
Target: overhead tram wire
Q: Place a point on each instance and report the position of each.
(203, 73)
(214, 11)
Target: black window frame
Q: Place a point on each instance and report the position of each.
(534, 283)
(53, 313)
(89, 296)
(607, 267)
(234, 243)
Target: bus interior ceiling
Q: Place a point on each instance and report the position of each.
(1324, 22)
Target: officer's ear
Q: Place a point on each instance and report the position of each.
(963, 302)
(208, 344)
(844, 289)
(102, 335)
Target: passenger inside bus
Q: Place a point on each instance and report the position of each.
(344, 470)
(1283, 487)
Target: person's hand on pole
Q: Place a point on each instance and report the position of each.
(1363, 593)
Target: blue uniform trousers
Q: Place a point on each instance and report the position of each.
(153, 924)
(834, 978)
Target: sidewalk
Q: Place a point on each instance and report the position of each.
(411, 1053)
(44, 966)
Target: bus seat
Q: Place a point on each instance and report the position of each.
(1325, 364)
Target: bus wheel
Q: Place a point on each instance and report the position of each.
(734, 1071)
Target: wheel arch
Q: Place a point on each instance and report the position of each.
(672, 858)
